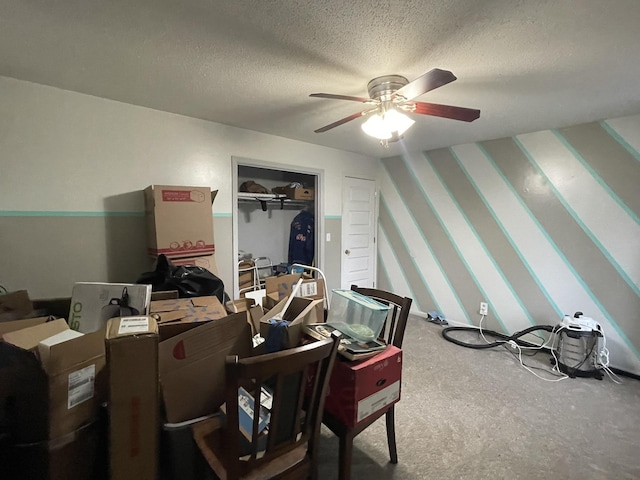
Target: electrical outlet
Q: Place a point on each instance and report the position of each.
(484, 308)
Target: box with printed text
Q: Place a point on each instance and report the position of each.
(134, 397)
(179, 220)
(93, 303)
(359, 389)
(55, 377)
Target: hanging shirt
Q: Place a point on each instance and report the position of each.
(301, 239)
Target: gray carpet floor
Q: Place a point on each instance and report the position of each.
(477, 414)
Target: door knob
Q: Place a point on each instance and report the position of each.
(347, 252)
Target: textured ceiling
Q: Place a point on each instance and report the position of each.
(527, 65)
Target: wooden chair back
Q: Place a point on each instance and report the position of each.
(298, 379)
(396, 322)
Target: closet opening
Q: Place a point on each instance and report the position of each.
(277, 221)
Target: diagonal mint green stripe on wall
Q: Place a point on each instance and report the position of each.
(580, 280)
(557, 309)
(596, 177)
(385, 215)
(14, 213)
(579, 221)
(454, 244)
(634, 153)
(478, 237)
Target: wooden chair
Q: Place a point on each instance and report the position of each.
(393, 334)
(298, 379)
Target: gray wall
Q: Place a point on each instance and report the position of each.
(537, 225)
(72, 171)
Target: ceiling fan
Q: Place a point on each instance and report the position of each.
(392, 95)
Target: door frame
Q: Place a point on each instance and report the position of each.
(376, 203)
(237, 162)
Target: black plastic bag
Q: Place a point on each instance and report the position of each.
(188, 280)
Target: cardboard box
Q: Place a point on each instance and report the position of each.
(187, 310)
(15, 305)
(13, 325)
(192, 365)
(134, 400)
(255, 295)
(296, 193)
(283, 286)
(58, 307)
(75, 456)
(239, 305)
(207, 262)
(301, 311)
(93, 303)
(165, 295)
(246, 275)
(246, 411)
(248, 306)
(270, 300)
(359, 389)
(179, 220)
(57, 395)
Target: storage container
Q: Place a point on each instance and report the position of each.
(357, 315)
(181, 459)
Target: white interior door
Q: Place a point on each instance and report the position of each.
(358, 264)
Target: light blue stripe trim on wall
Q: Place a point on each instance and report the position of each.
(333, 217)
(475, 232)
(453, 243)
(564, 259)
(223, 215)
(559, 312)
(9, 213)
(579, 221)
(618, 138)
(424, 282)
(596, 177)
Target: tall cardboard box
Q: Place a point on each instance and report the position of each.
(179, 220)
(134, 401)
(359, 389)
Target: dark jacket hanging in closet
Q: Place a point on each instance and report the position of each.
(301, 239)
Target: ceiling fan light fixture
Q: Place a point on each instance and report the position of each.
(376, 127)
(397, 122)
(383, 125)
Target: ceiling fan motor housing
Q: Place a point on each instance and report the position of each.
(381, 88)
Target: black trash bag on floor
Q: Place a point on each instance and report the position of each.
(188, 280)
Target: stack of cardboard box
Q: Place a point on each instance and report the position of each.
(157, 371)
